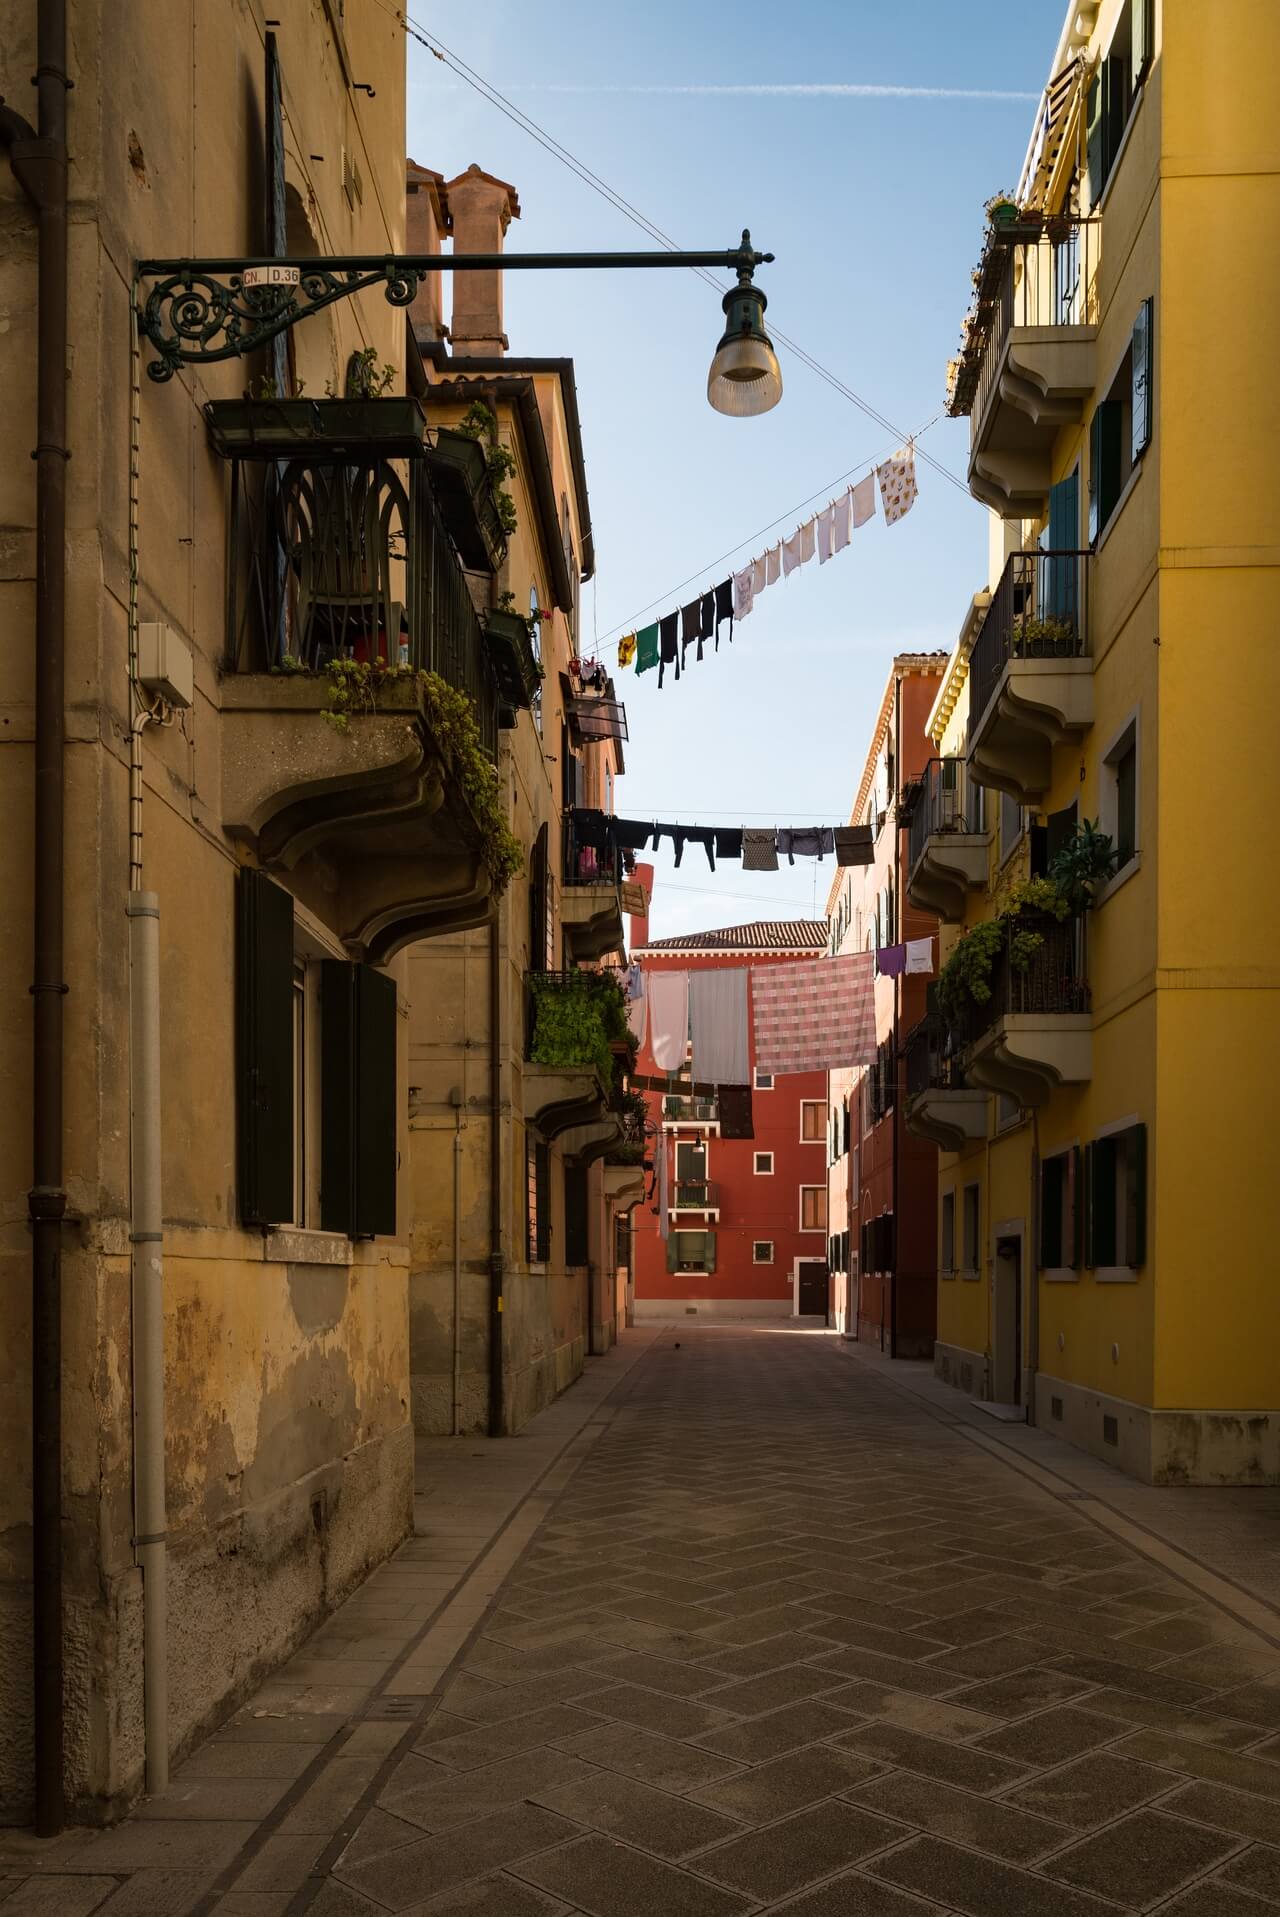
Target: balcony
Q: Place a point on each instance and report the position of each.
(1031, 358)
(690, 1112)
(696, 1194)
(1030, 674)
(591, 909)
(343, 587)
(624, 1185)
(947, 847)
(1036, 1032)
(571, 1029)
(941, 1104)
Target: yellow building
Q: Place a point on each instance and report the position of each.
(1108, 1212)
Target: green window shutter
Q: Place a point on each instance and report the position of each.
(709, 1251)
(673, 1251)
(1135, 1165)
(1086, 1210)
(1058, 582)
(1093, 140)
(1075, 1208)
(1104, 1201)
(358, 1109)
(264, 1050)
(1051, 1196)
(1141, 381)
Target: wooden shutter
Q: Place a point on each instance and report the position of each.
(358, 1109)
(575, 1214)
(1052, 1180)
(1093, 140)
(1075, 1209)
(709, 1251)
(540, 904)
(1135, 1194)
(1059, 582)
(1086, 1208)
(264, 1050)
(1141, 381)
(673, 1251)
(1104, 464)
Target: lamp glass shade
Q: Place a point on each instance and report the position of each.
(745, 378)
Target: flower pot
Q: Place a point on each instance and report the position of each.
(316, 429)
(506, 639)
(464, 494)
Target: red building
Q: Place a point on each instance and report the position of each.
(885, 1264)
(748, 1216)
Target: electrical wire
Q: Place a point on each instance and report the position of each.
(435, 46)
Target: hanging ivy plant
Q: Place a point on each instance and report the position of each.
(480, 422)
(578, 1018)
(1022, 908)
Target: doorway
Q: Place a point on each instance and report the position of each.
(1006, 1356)
(813, 1288)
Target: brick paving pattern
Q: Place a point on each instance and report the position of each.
(771, 1638)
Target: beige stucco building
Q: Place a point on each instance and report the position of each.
(297, 728)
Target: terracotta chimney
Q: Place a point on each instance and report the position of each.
(482, 208)
(640, 925)
(426, 223)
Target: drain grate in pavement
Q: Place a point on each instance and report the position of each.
(391, 1706)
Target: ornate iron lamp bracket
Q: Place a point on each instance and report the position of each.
(199, 311)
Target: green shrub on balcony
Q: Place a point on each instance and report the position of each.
(578, 1018)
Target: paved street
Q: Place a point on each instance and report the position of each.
(758, 1629)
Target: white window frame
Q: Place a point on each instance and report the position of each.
(811, 1230)
(821, 1137)
(762, 1081)
(759, 1170)
(755, 1247)
(1130, 729)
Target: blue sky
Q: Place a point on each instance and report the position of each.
(873, 206)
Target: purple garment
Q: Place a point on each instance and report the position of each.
(891, 961)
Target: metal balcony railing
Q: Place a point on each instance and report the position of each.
(1037, 612)
(690, 1111)
(1048, 277)
(945, 801)
(696, 1194)
(333, 559)
(933, 1059)
(1052, 979)
(588, 864)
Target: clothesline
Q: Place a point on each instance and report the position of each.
(666, 641)
(759, 847)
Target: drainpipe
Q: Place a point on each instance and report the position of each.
(146, 1236)
(455, 1099)
(900, 893)
(39, 163)
(1031, 1270)
(496, 1260)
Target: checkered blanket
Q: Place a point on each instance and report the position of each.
(814, 1017)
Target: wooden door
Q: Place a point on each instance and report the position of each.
(814, 1289)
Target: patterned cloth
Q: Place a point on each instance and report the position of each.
(759, 850)
(863, 499)
(898, 484)
(814, 1016)
(626, 648)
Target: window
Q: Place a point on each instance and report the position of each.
(971, 1244)
(538, 1201)
(575, 1214)
(1114, 92)
(1011, 824)
(1120, 430)
(691, 1251)
(535, 646)
(1119, 794)
(876, 1244)
(810, 1120)
(948, 1264)
(762, 1251)
(1008, 1111)
(763, 1165)
(813, 1208)
(1060, 1218)
(1115, 1200)
(764, 1081)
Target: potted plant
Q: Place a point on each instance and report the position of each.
(366, 418)
(511, 642)
(1082, 867)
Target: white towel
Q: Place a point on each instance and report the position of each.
(743, 592)
(863, 498)
(790, 554)
(807, 541)
(773, 565)
(824, 523)
(759, 576)
(840, 513)
(638, 1010)
(718, 1025)
(898, 484)
(920, 956)
(668, 1019)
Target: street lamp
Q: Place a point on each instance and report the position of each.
(745, 378)
(197, 311)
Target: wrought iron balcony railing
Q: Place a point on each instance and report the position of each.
(696, 1194)
(1051, 979)
(690, 1111)
(945, 801)
(588, 864)
(933, 1054)
(1037, 612)
(341, 557)
(1045, 277)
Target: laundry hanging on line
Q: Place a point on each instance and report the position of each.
(759, 847)
(667, 640)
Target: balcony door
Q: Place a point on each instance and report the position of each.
(691, 1172)
(1058, 586)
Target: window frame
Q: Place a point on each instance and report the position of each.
(971, 1267)
(821, 1225)
(947, 1251)
(756, 1245)
(1063, 1270)
(809, 1105)
(762, 1171)
(761, 1081)
(1121, 1272)
(1127, 736)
